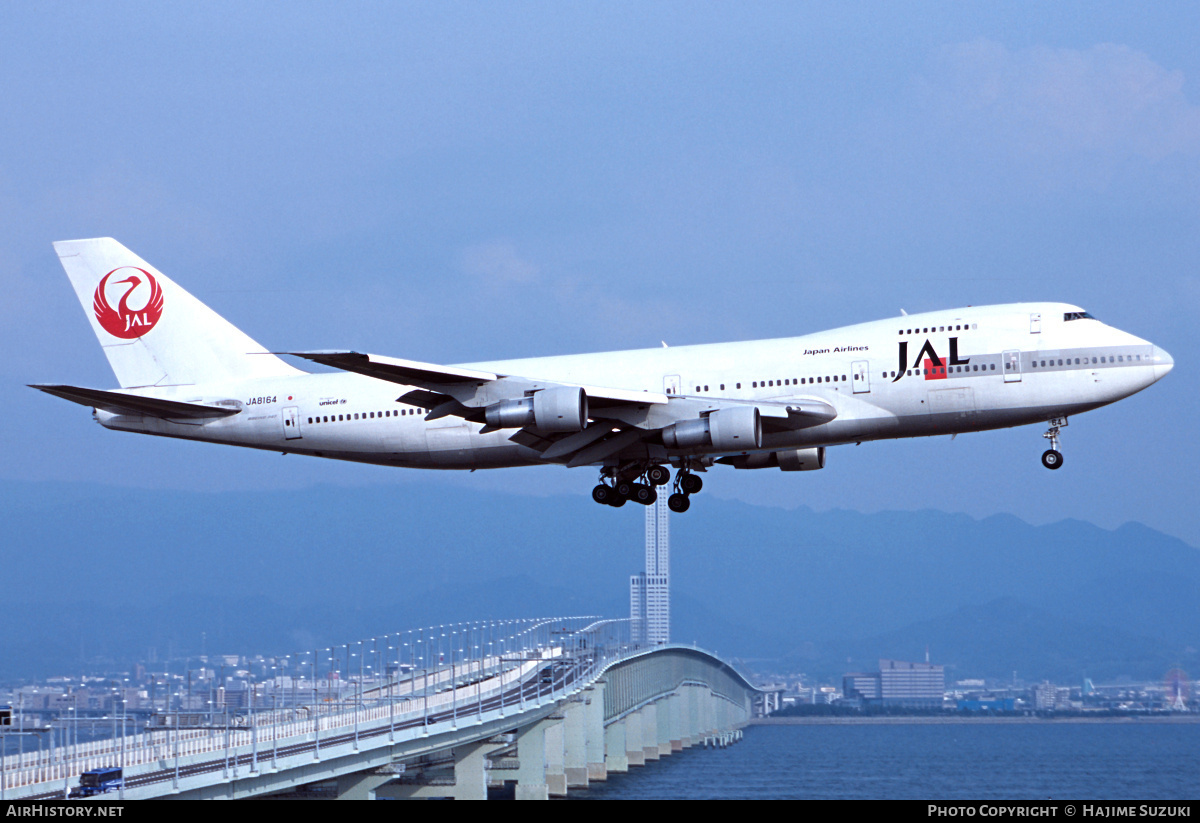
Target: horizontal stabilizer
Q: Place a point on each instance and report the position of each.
(120, 403)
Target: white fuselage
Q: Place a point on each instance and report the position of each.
(940, 372)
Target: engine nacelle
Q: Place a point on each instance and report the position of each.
(735, 429)
(564, 409)
(801, 460)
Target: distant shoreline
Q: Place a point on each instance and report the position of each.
(926, 720)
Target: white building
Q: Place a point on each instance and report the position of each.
(650, 591)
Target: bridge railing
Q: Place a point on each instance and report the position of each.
(415, 678)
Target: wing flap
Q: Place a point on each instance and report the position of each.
(606, 447)
(575, 442)
(134, 404)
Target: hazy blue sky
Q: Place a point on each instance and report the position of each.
(456, 182)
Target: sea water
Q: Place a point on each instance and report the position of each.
(960, 761)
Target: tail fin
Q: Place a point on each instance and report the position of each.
(153, 332)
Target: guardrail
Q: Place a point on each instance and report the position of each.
(417, 678)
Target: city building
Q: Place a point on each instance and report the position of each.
(650, 591)
(898, 683)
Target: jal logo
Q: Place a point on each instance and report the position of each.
(127, 321)
(935, 367)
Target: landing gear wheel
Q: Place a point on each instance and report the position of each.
(603, 494)
(625, 489)
(617, 501)
(658, 475)
(690, 483)
(678, 503)
(1052, 459)
(643, 494)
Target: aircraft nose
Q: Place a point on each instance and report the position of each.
(1163, 363)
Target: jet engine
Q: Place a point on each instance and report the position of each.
(801, 460)
(564, 409)
(733, 429)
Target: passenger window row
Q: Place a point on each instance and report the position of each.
(1120, 358)
(929, 329)
(943, 370)
(791, 381)
(341, 418)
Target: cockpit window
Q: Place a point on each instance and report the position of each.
(1077, 315)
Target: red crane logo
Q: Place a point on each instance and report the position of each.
(125, 322)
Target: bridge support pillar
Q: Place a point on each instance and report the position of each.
(715, 726)
(650, 730)
(616, 758)
(470, 778)
(663, 733)
(575, 742)
(361, 785)
(593, 719)
(677, 705)
(556, 744)
(634, 753)
(691, 716)
(470, 771)
(703, 703)
(531, 756)
(708, 723)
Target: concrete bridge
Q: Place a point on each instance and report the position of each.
(553, 705)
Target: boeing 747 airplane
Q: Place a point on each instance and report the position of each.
(186, 372)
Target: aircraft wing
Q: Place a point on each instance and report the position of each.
(395, 370)
(472, 389)
(620, 418)
(121, 403)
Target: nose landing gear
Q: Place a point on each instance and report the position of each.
(1052, 458)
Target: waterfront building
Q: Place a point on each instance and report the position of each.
(898, 683)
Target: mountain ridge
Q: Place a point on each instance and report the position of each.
(339, 563)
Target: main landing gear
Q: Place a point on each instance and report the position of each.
(1052, 458)
(686, 484)
(638, 483)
